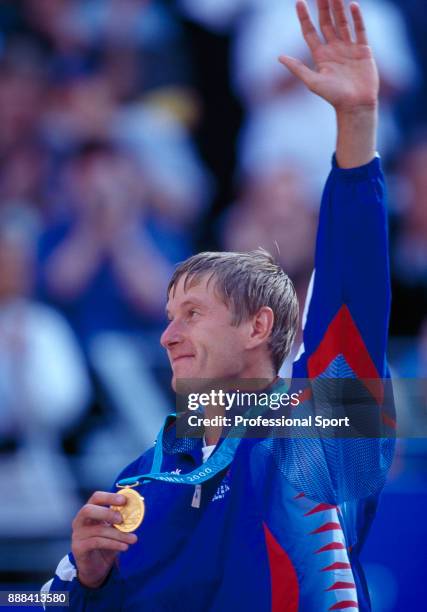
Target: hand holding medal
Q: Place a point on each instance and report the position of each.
(96, 541)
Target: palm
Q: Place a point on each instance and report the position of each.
(345, 74)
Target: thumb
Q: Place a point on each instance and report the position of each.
(298, 69)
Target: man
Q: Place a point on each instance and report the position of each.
(278, 524)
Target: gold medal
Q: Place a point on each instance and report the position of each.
(132, 512)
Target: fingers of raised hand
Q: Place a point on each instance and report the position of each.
(327, 26)
(341, 21)
(309, 32)
(333, 22)
(298, 69)
(359, 24)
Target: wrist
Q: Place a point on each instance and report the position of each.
(88, 583)
(358, 112)
(356, 141)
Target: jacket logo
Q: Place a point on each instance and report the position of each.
(221, 491)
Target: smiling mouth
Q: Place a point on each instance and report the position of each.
(175, 359)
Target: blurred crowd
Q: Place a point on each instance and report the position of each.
(134, 133)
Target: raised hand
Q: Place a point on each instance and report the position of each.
(345, 71)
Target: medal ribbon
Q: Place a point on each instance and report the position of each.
(217, 462)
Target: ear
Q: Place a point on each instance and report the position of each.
(260, 327)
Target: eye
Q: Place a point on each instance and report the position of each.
(192, 313)
(169, 317)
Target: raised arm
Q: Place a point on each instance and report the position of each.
(350, 299)
(301, 480)
(344, 74)
(346, 327)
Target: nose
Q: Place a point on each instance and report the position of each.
(171, 336)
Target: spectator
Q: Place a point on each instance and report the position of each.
(23, 178)
(21, 96)
(101, 265)
(410, 248)
(44, 389)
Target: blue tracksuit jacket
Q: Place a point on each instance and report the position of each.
(281, 528)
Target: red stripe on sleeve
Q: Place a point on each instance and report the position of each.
(336, 565)
(284, 581)
(327, 527)
(342, 585)
(331, 546)
(319, 508)
(342, 605)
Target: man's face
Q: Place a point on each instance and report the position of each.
(200, 340)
